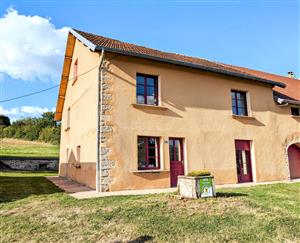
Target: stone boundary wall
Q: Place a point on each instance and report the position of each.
(29, 164)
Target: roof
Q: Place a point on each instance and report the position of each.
(97, 43)
(292, 90)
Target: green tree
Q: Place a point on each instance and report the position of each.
(50, 135)
(43, 128)
(4, 121)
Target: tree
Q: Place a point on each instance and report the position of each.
(4, 121)
(43, 128)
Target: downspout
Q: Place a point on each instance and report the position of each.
(99, 112)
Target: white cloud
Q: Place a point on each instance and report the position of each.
(31, 47)
(16, 113)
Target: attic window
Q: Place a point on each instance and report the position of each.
(75, 71)
(295, 111)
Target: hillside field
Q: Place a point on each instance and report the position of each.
(27, 149)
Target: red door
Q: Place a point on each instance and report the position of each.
(294, 161)
(243, 161)
(176, 159)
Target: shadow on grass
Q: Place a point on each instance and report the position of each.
(13, 188)
(231, 194)
(140, 239)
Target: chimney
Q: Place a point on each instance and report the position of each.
(291, 74)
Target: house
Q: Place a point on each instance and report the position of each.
(135, 118)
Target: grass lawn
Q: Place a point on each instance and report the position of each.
(33, 210)
(27, 149)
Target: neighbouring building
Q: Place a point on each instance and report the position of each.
(135, 118)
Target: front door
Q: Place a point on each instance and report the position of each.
(294, 160)
(176, 159)
(243, 161)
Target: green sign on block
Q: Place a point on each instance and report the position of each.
(206, 187)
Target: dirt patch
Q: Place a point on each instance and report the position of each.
(19, 142)
(210, 206)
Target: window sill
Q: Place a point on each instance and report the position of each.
(67, 129)
(148, 171)
(243, 117)
(150, 107)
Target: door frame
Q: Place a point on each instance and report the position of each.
(291, 140)
(252, 159)
(183, 155)
(289, 162)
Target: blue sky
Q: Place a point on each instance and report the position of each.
(262, 35)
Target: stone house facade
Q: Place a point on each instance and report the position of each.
(136, 118)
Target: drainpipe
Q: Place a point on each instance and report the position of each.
(99, 112)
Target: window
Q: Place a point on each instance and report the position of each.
(295, 111)
(146, 89)
(75, 71)
(239, 103)
(148, 153)
(68, 117)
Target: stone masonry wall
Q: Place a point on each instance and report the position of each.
(29, 164)
(106, 128)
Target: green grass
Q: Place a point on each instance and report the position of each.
(26, 149)
(34, 210)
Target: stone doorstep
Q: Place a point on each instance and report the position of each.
(67, 185)
(80, 191)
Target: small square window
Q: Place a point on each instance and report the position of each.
(68, 118)
(295, 111)
(239, 103)
(75, 71)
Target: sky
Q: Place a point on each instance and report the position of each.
(262, 35)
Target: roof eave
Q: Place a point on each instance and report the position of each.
(83, 40)
(191, 65)
(94, 47)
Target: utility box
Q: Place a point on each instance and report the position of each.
(196, 186)
(207, 186)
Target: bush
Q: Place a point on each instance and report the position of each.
(50, 135)
(199, 173)
(2, 131)
(9, 132)
(43, 128)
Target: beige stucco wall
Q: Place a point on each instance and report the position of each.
(198, 110)
(81, 98)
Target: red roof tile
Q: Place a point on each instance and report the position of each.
(292, 89)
